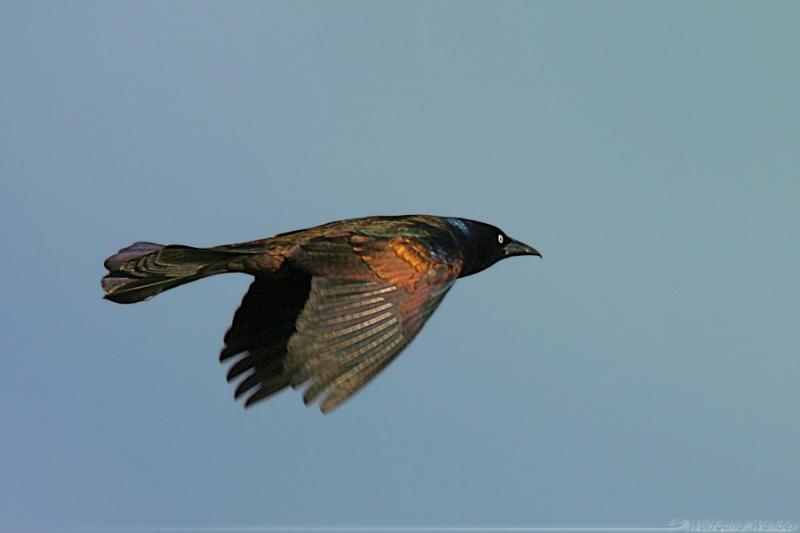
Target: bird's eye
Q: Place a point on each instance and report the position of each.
(500, 238)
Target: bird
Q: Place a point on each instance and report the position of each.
(330, 306)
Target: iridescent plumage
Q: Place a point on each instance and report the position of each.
(331, 306)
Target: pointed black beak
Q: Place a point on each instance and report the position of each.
(520, 248)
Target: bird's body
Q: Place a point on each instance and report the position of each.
(331, 305)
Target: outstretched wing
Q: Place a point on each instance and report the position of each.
(256, 341)
(345, 306)
(350, 330)
(359, 317)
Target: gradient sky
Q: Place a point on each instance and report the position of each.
(645, 370)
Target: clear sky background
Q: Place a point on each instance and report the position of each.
(645, 370)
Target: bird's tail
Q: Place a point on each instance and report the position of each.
(145, 269)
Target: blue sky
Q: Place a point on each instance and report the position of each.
(645, 370)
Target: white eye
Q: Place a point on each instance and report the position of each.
(500, 238)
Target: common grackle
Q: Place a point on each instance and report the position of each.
(330, 306)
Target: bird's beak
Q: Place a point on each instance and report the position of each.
(520, 248)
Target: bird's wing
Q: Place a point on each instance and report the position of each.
(369, 297)
(256, 341)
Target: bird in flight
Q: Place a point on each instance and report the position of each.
(331, 306)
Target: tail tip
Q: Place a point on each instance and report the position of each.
(134, 251)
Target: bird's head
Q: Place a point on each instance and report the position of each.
(483, 245)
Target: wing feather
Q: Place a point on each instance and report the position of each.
(349, 330)
(262, 326)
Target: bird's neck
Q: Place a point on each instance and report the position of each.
(468, 240)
